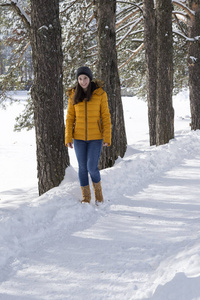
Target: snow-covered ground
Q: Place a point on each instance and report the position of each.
(143, 243)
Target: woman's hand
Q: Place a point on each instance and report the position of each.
(70, 145)
(105, 144)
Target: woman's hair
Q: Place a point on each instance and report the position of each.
(80, 95)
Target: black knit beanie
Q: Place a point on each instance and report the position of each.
(84, 70)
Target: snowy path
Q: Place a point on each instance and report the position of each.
(59, 249)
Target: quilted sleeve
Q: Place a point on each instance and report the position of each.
(106, 120)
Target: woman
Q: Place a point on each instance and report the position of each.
(88, 127)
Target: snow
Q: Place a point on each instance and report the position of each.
(193, 59)
(43, 27)
(143, 243)
(23, 13)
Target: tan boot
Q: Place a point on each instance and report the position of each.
(98, 192)
(86, 194)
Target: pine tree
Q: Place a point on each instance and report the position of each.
(47, 93)
(150, 41)
(165, 111)
(194, 63)
(108, 72)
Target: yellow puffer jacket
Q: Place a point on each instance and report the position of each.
(88, 120)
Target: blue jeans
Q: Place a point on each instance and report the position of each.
(88, 153)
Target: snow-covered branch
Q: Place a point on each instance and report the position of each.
(125, 26)
(184, 7)
(134, 53)
(126, 18)
(19, 10)
(177, 19)
(195, 39)
(129, 31)
(183, 15)
(134, 4)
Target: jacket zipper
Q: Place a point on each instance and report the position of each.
(85, 119)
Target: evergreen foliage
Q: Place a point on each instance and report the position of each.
(16, 65)
(80, 46)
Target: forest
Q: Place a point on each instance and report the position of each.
(146, 48)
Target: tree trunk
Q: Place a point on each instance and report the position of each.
(107, 71)
(194, 65)
(47, 93)
(165, 111)
(1, 59)
(150, 43)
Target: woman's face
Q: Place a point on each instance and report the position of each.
(84, 81)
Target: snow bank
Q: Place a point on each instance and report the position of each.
(137, 170)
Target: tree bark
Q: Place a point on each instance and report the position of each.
(150, 43)
(107, 70)
(194, 64)
(47, 93)
(165, 111)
